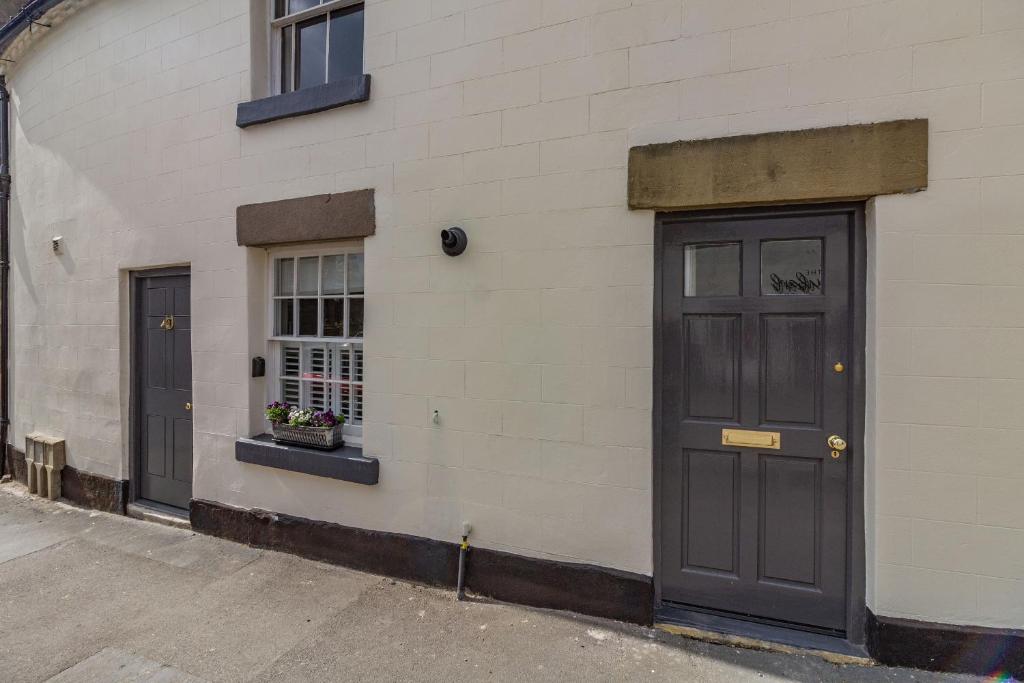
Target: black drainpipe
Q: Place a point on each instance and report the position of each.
(5, 267)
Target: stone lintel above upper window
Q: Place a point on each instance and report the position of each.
(320, 218)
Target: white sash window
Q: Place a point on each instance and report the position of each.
(316, 41)
(317, 333)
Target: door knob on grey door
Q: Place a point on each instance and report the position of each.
(836, 443)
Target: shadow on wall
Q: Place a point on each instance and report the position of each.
(22, 269)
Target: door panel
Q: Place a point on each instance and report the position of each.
(155, 440)
(182, 456)
(754, 313)
(790, 360)
(156, 345)
(712, 353)
(711, 515)
(790, 516)
(164, 395)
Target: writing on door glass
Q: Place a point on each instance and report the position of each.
(791, 267)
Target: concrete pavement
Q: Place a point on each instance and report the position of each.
(87, 596)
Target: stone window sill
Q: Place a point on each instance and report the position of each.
(348, 90)
(346, 463)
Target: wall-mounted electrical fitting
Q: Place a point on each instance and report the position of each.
(454, 241)
(460, 586)
(57, 243)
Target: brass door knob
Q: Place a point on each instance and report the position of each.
(188, 406)
(836, 443)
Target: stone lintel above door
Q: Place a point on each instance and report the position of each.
(819, 164)
(319, 218)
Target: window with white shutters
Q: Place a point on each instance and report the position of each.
(317, 333)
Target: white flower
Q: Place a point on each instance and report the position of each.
(300, 418)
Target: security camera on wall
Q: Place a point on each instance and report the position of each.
(454, 241)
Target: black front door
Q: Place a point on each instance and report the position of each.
(754, 383)
(164, 388)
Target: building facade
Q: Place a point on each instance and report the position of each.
(703, 238)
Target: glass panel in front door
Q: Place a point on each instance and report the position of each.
(711, 269)
(791, 267)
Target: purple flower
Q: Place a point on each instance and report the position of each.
(278, 412)
(324, 419)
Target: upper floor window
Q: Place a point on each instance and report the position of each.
(318, 41)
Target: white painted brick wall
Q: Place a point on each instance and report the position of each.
(512, 118)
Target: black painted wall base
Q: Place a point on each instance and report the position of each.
(14, 464)
(946, 647)
(586, 589)
(94, 491)
(78, 486)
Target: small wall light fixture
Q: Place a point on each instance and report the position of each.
(454, 241)
(57, 242)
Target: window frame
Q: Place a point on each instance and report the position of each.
(353, 433)
(277, 26)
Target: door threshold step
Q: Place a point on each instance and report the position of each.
(150, 511)
(755, 636)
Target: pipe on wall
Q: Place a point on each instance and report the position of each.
(5, 267)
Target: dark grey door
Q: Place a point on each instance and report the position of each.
(164, 384)
(754, 380)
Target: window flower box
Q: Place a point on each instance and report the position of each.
(327, 438)
(305, 427)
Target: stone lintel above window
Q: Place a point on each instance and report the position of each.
(319, 218)
(346, 90)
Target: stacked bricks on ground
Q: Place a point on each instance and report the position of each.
(44, 459)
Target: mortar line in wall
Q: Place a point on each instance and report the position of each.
(529, 477)
(953, 571)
